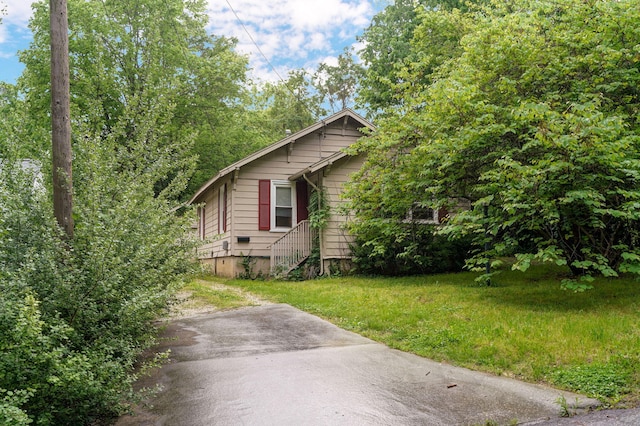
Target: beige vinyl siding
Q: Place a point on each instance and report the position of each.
(336, 238)
(286, 158)
(278, 165)
(334, 137)
(205, 249)
(214, 241)
(246, 219)
(273, 167)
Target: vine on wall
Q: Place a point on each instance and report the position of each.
(319, 213)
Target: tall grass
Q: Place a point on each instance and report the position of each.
(523, 326)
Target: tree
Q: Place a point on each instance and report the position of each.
(338, 84)
(127, 55)
(76, 314)
(387, 50)
(260, 115)
(291, 104)
(535, 123)
(11, 126)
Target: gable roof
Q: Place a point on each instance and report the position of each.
(345, 113)
(319, 165)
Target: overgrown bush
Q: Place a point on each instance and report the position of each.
(388, 247)
(75, 314)
(530, 114)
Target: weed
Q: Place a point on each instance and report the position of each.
(248, 263)
(603, 381)
(296, 274)
(565, 409)
(513, 422)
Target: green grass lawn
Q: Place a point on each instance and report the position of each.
(524, 326)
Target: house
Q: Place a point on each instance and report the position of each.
(256, 210)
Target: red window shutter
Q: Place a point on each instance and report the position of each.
(302, 200)
(201, 226)
(264, 205)
(222, 209)
(224, 204)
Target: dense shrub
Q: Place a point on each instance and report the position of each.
(530, 114)
(388, 247)
(75, 315)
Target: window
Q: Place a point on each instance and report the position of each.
(277, 205)
(422, 214)
(283, 206)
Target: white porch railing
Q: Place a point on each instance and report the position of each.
(292, 248)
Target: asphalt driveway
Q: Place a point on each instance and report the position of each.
(276, 365)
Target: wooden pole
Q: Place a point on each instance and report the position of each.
(60, 117)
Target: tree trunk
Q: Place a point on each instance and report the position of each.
(60, 117)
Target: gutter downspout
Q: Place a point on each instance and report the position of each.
(320, 239)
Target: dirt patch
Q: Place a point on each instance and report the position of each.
(186, 305)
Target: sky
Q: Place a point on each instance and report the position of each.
(291, 34)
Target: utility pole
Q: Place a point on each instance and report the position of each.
(61, 117)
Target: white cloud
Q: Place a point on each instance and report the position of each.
(18, 12)
(330, 60)
(290, 33)
(14, 28)
(295, 43)
(317, 41)
(14, 35)
(328, 14)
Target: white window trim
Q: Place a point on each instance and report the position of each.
(294, 211)
(434, 221)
